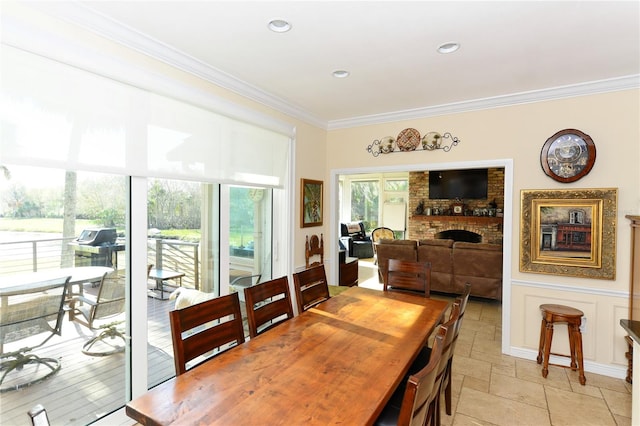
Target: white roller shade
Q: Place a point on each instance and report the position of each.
(56, 115)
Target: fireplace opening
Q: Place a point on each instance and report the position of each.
(460, 235)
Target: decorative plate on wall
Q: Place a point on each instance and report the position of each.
(408, 140)
(568, 155)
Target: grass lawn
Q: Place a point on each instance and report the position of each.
(41, 225)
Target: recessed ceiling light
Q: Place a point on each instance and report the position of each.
(279, 26)
(448, 47)
(341, 74)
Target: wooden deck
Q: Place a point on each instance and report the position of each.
(86, 387)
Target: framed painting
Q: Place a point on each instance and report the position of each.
(569, 232)
(311, 203)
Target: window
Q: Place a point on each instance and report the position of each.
(160, 129)
(365, 203)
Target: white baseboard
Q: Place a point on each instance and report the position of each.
(615, 371)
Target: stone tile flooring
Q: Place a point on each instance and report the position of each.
(494, 389)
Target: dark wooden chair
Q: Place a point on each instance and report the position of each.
(311, 287)
(314, 246)
(415, 403)
(459, 305)
(408, 276)
(268, 305)
(198, 330)
(461, 301)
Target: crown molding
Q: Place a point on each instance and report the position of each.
(91, 20)
(583, 89)
(84, 17)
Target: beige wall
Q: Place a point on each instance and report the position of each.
(518, 133)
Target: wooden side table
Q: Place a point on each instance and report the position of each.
(349, 272)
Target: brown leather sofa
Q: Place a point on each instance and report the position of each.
(452, 264)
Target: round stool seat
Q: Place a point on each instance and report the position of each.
(551, 314)
(562, 311)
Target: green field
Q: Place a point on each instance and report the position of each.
(55, 226)
(41, 225)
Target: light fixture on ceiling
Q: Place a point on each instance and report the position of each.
(341, 74)
(449, 47)
(279, 26)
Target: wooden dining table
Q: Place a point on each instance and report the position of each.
(337, 363)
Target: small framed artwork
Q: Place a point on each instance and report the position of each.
(569, 232)
(310, 203)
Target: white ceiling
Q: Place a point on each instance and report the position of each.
(510, 51)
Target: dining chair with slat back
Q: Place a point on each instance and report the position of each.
(408, 276)
(268, 305)
(314, 246)
(199, 329)
(461, 301)
(311, 287)
(453, 326)
(416, 404)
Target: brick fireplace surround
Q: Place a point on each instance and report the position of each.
(426, 227)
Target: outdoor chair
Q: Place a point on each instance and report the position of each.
(108, 304)
(240, 283)
(28, 311)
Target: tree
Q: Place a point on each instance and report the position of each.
(69, 216)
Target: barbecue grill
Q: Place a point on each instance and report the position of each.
(95, 247)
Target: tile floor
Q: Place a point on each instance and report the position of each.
(494, 389)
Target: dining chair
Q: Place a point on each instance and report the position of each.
(29, 311)
(415, 403)
(462, 301)
(313, 246)
(408, 276)
(311, 287)
(198, 330)
(453, 324)
(268, 305)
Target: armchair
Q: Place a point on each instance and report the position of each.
(355, 240)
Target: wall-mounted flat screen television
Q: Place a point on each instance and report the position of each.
(470, 184)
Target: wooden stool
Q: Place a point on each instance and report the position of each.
(572, 317)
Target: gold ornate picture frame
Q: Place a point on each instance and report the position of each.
(569, 232)
(310, 203)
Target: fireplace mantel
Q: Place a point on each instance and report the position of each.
(476, 220)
